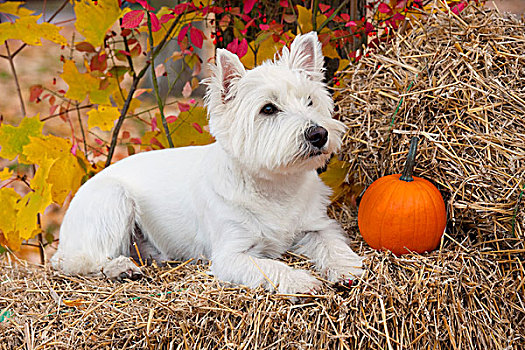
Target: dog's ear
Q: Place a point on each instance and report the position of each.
(229, 70)
(306, 54)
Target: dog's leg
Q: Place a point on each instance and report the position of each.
(96, 231)
(273, 275)
(328, 249)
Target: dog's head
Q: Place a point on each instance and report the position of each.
(276, 117)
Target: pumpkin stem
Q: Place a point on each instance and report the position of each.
(406, 175)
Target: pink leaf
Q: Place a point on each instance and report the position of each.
(74, 149)
(248, 5)
(153, 124)
(196, 37)
(459, 7)
(160, 70)
(243, 48)
(384, 8)
(183, 107)
(197, 127)
(192, 101)
(99, 141)
(145, 4)
(186, 90)
(182, 33)
(155, 24)
(136, 141)
(165, 18)
(264, 26)
(233, 46)
(132, 19)
(351, 24)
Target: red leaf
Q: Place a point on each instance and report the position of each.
(345, 17)
(166, 17)
(232, 47)
(99, 141)
(153, 124)
(35, 92)
(183, 107)
(284, 3)
(243, 48)
(384, 8)
(85, 47)
(136, 141)
(182, 33)
(196, 37)
(248, 5)
(145, 4)
(459, 7)
(132, 19)
(155, 24)
(171, 119)
(197, 127)
(324, 7)
(125, 134)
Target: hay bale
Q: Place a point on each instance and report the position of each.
(459, 83)
(447, 300)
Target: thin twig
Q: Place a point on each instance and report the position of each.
(10, 58)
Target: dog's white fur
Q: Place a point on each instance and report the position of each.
(242, 201)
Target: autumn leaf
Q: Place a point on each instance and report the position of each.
(133, 19)
(14, 138)
(26, 27)
(335, 177)
(103, 117)
(34, 202)
(119, 100)
(266, 51)
(5, 174)
(83, 84)
(95, 18)
(9, 198)
(66, 173)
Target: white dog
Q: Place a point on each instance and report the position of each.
(242, 201)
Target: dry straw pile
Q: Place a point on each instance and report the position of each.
(459, 84)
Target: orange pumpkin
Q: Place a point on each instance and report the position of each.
(401, 212)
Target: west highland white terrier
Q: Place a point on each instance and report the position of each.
(241, 202)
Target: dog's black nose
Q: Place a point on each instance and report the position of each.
(317, 136)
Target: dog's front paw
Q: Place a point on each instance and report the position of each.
(344, 269)
(122, 268)
(299, 282)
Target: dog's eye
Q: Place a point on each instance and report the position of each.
(269, 109)
(310, 102)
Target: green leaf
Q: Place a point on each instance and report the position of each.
(14, 138)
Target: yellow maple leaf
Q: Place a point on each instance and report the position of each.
(26, 27)
(34, 202)
(119, 100)
(14, 138)
(66, 173)
(265, 51)
(9, 198)
(104, 117)
(83, 84)
(188, 130)
(95, 18)
(5, 174)
(335, 177)
(15, 8)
